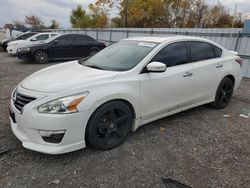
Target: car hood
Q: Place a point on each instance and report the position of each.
(26, 44)
(15, 42)
(66, 76)
(4, 40)
(9, 40)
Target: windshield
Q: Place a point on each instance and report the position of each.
(25, 36)
(120, 56)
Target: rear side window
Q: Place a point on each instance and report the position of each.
(86, 39)
(173, 54)
(218, 51)
(78, 39)
(90, 39)
(81, 39)
(201, 51)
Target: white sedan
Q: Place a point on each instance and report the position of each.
(97, 101)
(15, 45)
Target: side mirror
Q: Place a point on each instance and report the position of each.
(156, 67)
(34, 39)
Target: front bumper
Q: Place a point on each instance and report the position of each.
(24, 55)
(26, 127)
(11, 51)
(43, 148)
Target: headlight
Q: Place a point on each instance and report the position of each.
(14, 94)
(23, 49)
(65, 105)
(12, 44)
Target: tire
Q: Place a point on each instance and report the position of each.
(41, 57)
(93, 52)
(109, 125)
(224, 93)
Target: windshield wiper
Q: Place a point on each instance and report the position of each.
(81, 61)
(95, 67)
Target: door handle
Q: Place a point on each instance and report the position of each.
(187, 74)
(219, 66)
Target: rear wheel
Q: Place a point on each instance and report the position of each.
(41, 57)
(93, 52)
(109, 125)
(224, 93)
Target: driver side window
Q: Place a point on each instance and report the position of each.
(173, 54)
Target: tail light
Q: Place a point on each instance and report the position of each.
(240, 61)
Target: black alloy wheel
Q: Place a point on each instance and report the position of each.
(41, 57)
(93, 52)
(224, 93)
(109, 125)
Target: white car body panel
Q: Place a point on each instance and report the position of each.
(15, 45)
(151, 86)
(69, 74)
(145, 92)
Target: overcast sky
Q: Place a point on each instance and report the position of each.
(11, 10)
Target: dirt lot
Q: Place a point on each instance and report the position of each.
(199, 148)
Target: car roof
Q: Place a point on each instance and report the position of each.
(45, 33)
(74, 34)
(169, 38)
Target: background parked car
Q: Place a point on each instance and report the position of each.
(65, 46)
(14, 45)
(21, 37)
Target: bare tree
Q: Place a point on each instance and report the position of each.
(8, 26)
(34, 22)
(18, 24)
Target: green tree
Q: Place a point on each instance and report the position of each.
(79, 18)
(98, 17)
(114, 8)
(166, 13)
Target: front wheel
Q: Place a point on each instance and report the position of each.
(41, 57)
(224, 93)
(109, 125)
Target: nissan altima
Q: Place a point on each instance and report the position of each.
(96, 101)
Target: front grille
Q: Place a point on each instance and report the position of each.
(21, 100)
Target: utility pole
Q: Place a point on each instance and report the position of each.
(235, 11)
(126, 14)
(231, 34)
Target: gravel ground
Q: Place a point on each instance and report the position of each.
(198, 147)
